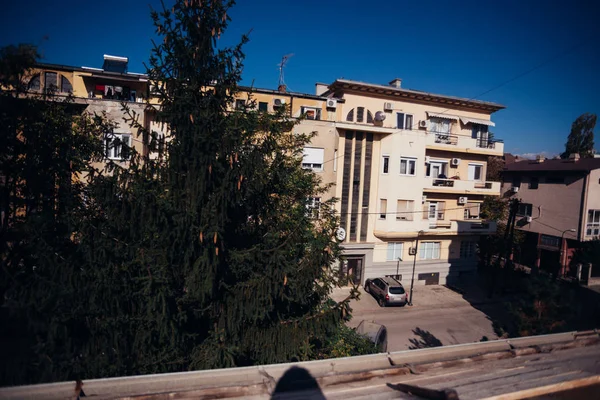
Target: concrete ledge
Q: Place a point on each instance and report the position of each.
(541, 340)
(449, 353)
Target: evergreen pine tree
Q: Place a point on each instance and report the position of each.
(203, 255)
(581, 138)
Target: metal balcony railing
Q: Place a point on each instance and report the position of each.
(446, 138)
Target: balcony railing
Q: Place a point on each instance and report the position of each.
(488, 143)
(463, 185)
(446, 138)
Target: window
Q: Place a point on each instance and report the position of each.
(350, 116)
(435, 210)
(408, 166)
(472, 211)
(437, 169)
(440, 125)
(66, 87)
(534, 183)
(385, 164)
(475, 172)
(313, 159)
(394, 251)
(480, 132)
(313, 207)
(405, 121)
(382, 208)
(263, 106)
(550, 241)
(51, 81)
(405, 210)
(593, 223)
(311, 113)
(369, 117)
(525, 210)
(35, 83)
(467, 249)
(516, 181)
(408, 122)
(429, 250)
(116, 146)
(360, 114)
(240, 104)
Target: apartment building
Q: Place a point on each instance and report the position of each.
(412, 166)
(560, 208)
(405, 165)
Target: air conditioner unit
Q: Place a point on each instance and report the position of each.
(388, 106)
(455, 162)
(331, 103)
(424, 199)
(529, 219)
(515, 189)
(278, 102)
(427, 159)
(412, 251)
(462, 200)
(423, 123)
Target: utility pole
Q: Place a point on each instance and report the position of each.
(510, 229)
(412, 281)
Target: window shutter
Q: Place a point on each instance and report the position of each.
(441, 207)
(400, 120)
(313, 155)
(426, 210)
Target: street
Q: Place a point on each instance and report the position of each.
(439, 316)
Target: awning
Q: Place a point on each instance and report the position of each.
(466, 120)
(442, 115)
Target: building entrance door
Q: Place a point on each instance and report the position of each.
(351, 270)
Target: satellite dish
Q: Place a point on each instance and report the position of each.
(379, 116)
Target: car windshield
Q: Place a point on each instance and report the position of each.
(397, 290)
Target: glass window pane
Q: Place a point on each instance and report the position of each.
(403, 166)
(51, 80)
(65, 85)
(34, 83)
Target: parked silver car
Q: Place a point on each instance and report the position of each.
(387, 291)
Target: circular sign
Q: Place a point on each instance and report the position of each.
(340, 234)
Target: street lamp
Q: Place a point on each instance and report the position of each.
(562, 251)
(412, 281)
(398, 267)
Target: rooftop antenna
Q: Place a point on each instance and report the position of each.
(281, 65)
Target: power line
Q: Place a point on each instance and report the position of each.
(514, 78)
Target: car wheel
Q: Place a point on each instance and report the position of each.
(381, 302)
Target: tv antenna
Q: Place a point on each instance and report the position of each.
(281, 65)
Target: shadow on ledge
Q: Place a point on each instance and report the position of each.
(297, 383)
(425, 340)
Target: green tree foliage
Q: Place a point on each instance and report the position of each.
(589, 252)
(581, 138)
(45, 143)
(204, 255)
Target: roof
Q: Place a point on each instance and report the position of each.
(516, 368)
(417, 95)
(583, 164)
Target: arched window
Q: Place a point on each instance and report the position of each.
(360, 115)
(51, 81)
(65, 85)
(350, 116)
(34, 84)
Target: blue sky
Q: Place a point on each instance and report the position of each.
(460, 48)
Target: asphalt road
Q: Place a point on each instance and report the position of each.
(438, 317)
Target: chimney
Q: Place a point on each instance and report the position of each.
(540, 158)
(396, 82)
(282, 88)
(574, 156)
(320, 88)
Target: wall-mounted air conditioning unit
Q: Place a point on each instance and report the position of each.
(427, 159)
(455, 162)
(412, 251)
(278, 102)
(529, 219)
(423, 123)
(388, 106)
(462, 200)
(331, 103)
(515, 189)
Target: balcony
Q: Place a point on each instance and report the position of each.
(459, 143)
(474, 227)
(461, 186)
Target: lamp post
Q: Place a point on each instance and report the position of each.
(412, 281)
(398, 267)
(562, 251)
